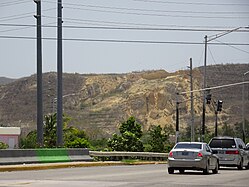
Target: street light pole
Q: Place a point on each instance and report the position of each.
(243, 106)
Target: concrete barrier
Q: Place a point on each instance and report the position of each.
(28, 156)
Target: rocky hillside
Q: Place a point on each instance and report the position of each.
(98, 103)
(4, 80)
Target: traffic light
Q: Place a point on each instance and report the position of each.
(208, 98)
(219, 105)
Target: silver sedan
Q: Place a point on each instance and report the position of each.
(192, 156)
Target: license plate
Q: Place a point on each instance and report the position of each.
(184, 153)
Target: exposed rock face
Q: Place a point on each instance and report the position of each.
(98, 103)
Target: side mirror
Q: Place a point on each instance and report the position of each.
(240, 146)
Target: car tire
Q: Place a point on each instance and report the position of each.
(206, 170)
(247, 167)
(216, 169)
(170, 170)
(181, 171)
(240, 166)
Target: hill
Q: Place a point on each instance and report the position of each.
(99, 102)
(4, 80)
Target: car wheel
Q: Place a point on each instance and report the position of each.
(216, 169)
(206, 170)
(181, 171)
(247, 167)
(240, 166)
(170, 170)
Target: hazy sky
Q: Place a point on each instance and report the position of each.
(174, 23)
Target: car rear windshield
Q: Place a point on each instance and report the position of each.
(187, 146)
(222, 143)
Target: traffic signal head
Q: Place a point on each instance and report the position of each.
(208, 98)
(219, 105)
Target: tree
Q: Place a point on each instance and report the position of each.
(130, 138)
(157, 139)
(73, 137)
(30, 141)
(227, 130)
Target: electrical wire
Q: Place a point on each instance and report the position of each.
(23, 15)
(122, 41)
(193, 3)
(149, 10)
(158, 15)
(236, 48)
(10, 3)
(120, 28)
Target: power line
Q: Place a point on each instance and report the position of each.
(110, 22)
(23, 15)
(149, 10)
(122, 41)
(121, 28)
(234, 47)
(158, 15)
(193, 3)
(10, 3)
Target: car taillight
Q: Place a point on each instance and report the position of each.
(171, 154)
(236, 152)
(200, 155)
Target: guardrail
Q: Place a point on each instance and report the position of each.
(28, 156)
(21, 156)
(119, 155)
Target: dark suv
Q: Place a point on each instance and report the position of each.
(231, 151)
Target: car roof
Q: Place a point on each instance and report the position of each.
(223, 137)
(192, 142)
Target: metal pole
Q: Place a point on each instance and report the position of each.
(39, 77)
(177, 118)
(243, 109)
(59, 77)
(216, 124)
(192, 103)
(243, 106)
(204, 92)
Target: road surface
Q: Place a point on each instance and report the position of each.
(123, 176)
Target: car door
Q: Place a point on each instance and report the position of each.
(212, 159)
(243, 151)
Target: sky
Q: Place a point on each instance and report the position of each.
(121, 36)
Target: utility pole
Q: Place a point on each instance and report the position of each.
(243, 106)
(177, 118)
(59, 77)
(216, 123)
(192, 102)
(211, 38)
(204, 92)
(39, 76)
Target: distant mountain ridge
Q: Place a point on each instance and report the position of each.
(98, 103)
(5, 80)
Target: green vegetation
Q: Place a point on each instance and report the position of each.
(130, 138)
(73, 137)
(3, 145)
(158, 139)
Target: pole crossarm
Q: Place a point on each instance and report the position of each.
(213, 37)
(215, 87)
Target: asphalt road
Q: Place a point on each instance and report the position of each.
(123, 176)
